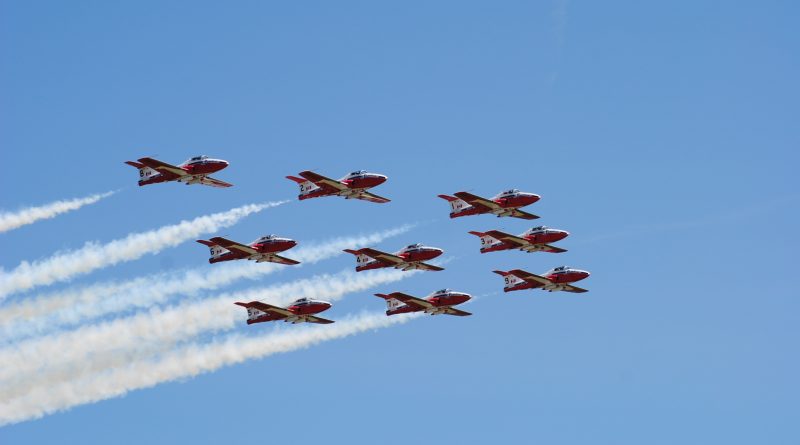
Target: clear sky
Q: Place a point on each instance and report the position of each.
(662, 135)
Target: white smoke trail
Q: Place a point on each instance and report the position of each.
(50, 312)
(23, 217)
(63, 266)
(46, 360)
(188, 361)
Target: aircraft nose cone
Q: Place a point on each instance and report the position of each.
(291, 243)
(563, 234)
(381, 178)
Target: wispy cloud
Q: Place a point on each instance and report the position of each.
(48, 313)
(92, 348)
(63, 266)
(29, 215)
(185, 362)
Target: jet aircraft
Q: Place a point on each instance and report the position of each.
(536, 239)
(505, 203)
(301, 311)
(408, 258)
(193, 171)
(558, 279)
(437, 303)
(263, 249)
(352, 186)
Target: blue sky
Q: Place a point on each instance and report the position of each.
(662, 136)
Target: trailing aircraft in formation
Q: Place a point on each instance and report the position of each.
(557, 279)
(352, 186)
(301, 311)
(260, 250)
(408, 258)
(193, 171)
(437, 303)
(536, 239)
(505, 203)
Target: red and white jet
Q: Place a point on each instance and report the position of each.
(260, 250)
(437, 303)
(536, 239)
(301, 311)
(408, 258)
(193, 171)
(557, 279)
(352, 186)
(506, 203)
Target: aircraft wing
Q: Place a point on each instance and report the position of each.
(411, 301)
(511, 239)
(517, 213)
(208, 180)
(234, 246)
(323, 181)
(164, 168)
(527, 276)
(552, 249)
(574, 289)
(318, 320)
(456, 312)
(382, 256)
(277, 259)
(477, 201)
(268, 308)
(371, 197)
(426, 266)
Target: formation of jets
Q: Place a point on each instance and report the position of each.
(356, 185)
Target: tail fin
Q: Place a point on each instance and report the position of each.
(487, 241)
(509, 279)
(391, 303)
(216, 250)
(252, 313)
(145, 172)
(456, 204)
(361, 259)
(306, 186)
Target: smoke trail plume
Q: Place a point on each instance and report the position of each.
(63, 266)
(50, 312)
(187, 361)
(44, 361)
(23, 217)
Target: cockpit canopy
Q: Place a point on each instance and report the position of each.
(197, 159)
(267, 238)
(443, 291)
(413, 246)
(303, 300)
(539, 229)
(357, 173)
(561, 268)
(509, 192)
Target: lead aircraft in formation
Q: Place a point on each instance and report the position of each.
(408, 258)
(536, 239)
(438, 303)
(557, 279)
(193, 171)
(355, 186)
(506, 203)
(301, 311)
(352, 186)
(263, 249)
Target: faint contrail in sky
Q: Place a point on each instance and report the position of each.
(50, 312)
(187, 361)
(92, 348)
(22, 217)
(63, 266)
